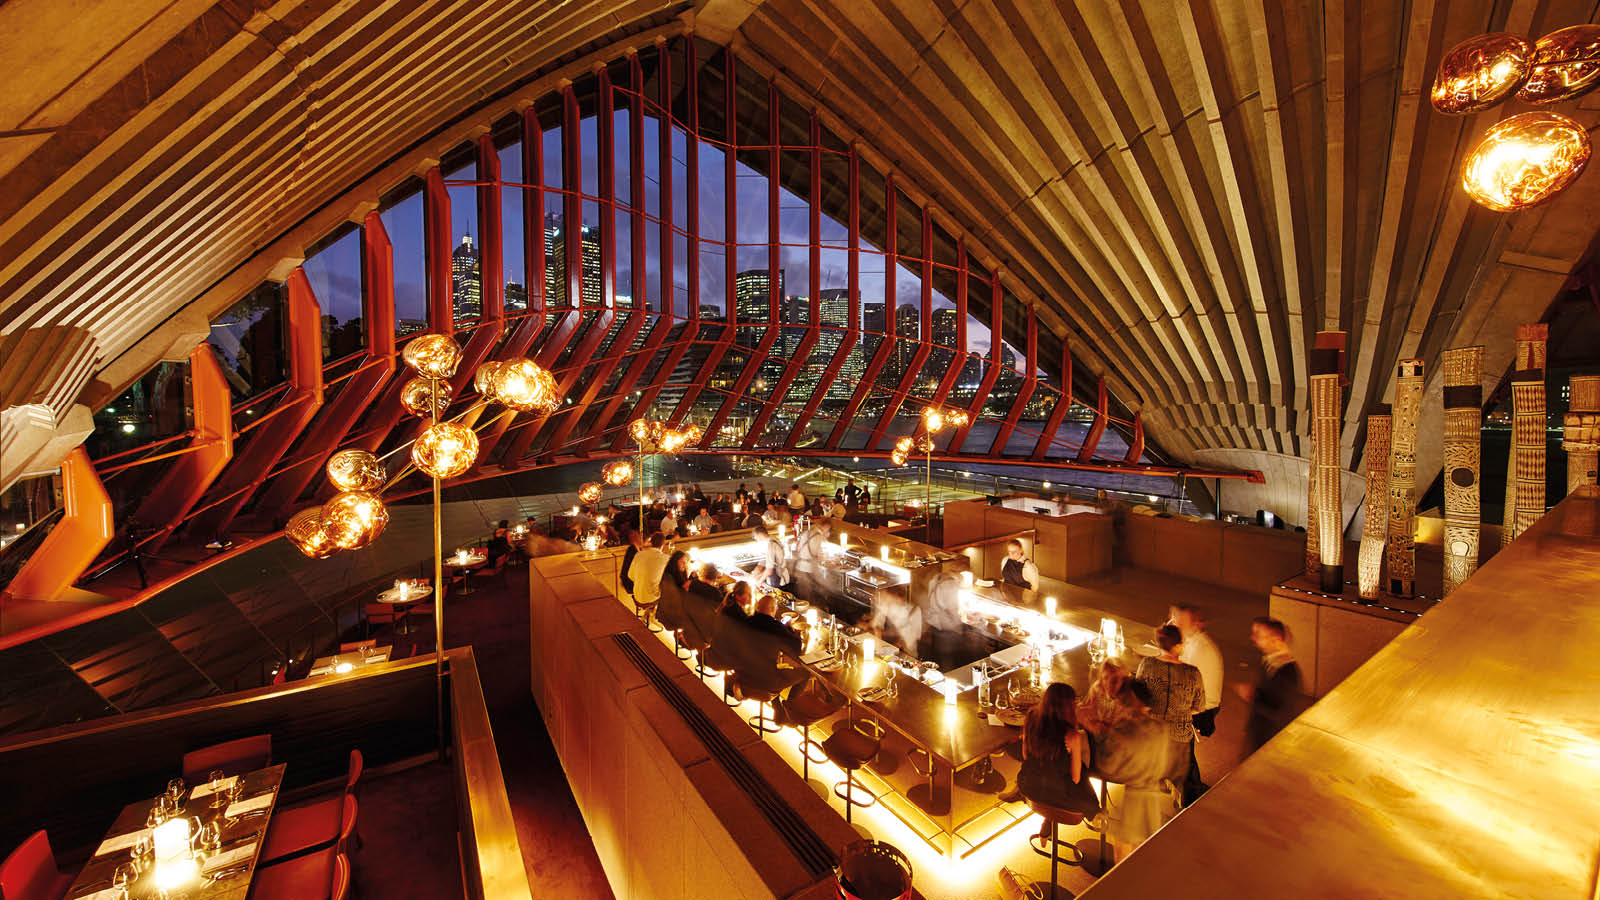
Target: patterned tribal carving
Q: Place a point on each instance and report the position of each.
(1327, 400)
(1369, 573)
(1313, 544)
(1402, 554)
(1528, 427)
(1463, 445)
(1580, 434)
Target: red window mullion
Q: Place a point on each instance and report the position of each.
(991, 371)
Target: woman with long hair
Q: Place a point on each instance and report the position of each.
(678, 570)
(1055, 755)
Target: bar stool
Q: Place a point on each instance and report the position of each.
(671, 614)
(1056, 817)
(804, 711)
(763, 697)
(854, 742)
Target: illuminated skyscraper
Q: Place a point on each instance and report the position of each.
(465, 284)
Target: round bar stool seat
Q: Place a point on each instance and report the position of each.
(1055, 817)
(850, 748)
(716, 660)
(805, 710)
(763, 696)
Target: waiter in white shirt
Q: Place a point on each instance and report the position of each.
(648, 567)
(797, 499)
(773, 570)
(808, 557)
(1200, 651)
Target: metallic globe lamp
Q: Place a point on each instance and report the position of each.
(590, 492)
(356, 470)
(617, 473)
(483, 379)
(305, 532)
(354, 519)
(1525, 160)
(417, 393)
(525, 386)
(445, 449)
(1480, 72)
(433, 356)
(1566, 64)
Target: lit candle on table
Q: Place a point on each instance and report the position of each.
(844, 541)
(1050, 607)
(172, 839)
(1108, 631)
(884, 552)
(867, 648)
(966, 578)
(950, 688)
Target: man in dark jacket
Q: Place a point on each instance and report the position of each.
(635, 544)
(1275, 698)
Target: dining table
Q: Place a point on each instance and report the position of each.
(416, 591)
(224, 873)
(340, 663)
(464, 563)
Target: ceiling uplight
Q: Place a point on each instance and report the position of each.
(127, 428)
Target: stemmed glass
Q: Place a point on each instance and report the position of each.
(175, 791)
(159, 813)
(144, 851)
(214, 780)
(234, 792)
(122, 877)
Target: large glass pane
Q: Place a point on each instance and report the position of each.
(334, 273)
(650, 136)
(513, 255)
(555, 235)
(713, 212)
(752, 280)
(402, 221)
(622, 187)
(466, 278)
(681, 186)
(154, 407)
(247, 340)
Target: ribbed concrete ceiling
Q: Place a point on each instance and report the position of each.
(1194, 187)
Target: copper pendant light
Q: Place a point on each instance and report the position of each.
(445, 449)
(356, 470)
(418, 398)
(1525, 160)
(1566, 63)
(1480, 72)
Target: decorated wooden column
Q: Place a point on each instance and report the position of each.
(1326, 499)
(1463, 440)
(1402, 556)
(1580, 433)
(1369, 574)
(1527, 430)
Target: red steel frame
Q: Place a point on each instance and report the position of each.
(84, 530)
(379, 378)
(363, 387)
(267, 446)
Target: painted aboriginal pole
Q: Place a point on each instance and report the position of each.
(1369, 573)
(1313, 546)
(1402, 555)
(1463, 445)
(1528, 427)
(1580, 433)
(1327, 395)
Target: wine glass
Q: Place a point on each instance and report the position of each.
(214, 781)
(158, 814)
(144, 849)
(175, 791)
(235, 791)
(122, 877)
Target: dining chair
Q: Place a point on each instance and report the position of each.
(318, 876)
(380, 614)
(30, 872)
(230, 757)
(314, 825)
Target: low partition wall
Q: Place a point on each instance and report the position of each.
(681, 797)
(1243, 557)
(1332, 636)
(1064, 547)
(74, 780)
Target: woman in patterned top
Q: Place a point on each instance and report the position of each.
(1178, 694)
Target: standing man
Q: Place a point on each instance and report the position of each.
(635, 544)
(1018, 570)
(797, 499)
(761, 494)
(773, 570)
(648, 567)
(852, 495)
(808, 557)
(1275, 697)
(1200, 651)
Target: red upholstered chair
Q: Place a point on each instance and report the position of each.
(30, 872)
(319, 876)
(232, 758)
(301, 829)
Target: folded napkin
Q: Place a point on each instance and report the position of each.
(230, 857)
(321, 670)
(261, 801)
(815, 657)
(121, 842)
(110, 893)
(204, 790)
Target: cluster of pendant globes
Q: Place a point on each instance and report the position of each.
(654, 436)
(1527, 158)
(934, 420)
(355, 516)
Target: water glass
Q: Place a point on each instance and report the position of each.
(122, 877)
(210, 837)
(144, 851)
(158, 814)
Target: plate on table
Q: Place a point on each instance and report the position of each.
(1026, 699)
(983, 582)
(1012, 717)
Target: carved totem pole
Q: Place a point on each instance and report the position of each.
(1580, 434)
(1369, 573)
(1525, 502)
(1326, 510)
(1463, 441)
(1402, 555)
